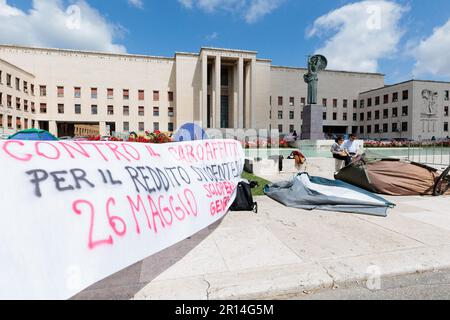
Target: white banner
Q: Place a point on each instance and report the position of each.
(73, 213)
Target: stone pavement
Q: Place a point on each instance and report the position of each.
(284, 251)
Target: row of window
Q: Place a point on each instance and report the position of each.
(9, 80)
(27, 105)
(345, 102)
(27, 123)
(109, 93)
(109, 110)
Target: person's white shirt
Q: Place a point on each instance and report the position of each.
(352, 146)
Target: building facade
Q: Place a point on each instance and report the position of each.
(72, 92)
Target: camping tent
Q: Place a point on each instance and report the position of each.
(33, 135)
(305, 192)
(391, 176)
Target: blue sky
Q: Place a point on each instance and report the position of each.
(409, 37)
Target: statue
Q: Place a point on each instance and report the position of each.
(316, 64)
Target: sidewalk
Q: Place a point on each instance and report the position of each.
(284, 251)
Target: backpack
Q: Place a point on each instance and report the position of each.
(244, 199)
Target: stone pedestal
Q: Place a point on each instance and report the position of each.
(312, 128)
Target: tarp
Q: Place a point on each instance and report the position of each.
(390, 177)
(75, 212)
(33, 135)
(305, 192)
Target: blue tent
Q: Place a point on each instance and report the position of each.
(190, 132)
(33, 135)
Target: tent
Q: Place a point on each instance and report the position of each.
(305, 192)
(33, 135)
(394, 177)
(190, 132)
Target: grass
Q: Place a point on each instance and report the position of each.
(258, 191)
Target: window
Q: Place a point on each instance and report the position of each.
(110, 93)
(1, 120)
(361, 129)
(345, 103)
(10, 122)
(324, 102)
(369, 116)
(94, 93)
(361, 116)
(280, 128)
(8, 101)
(369, 102)
(25, 87)
(33, 109)
(280, 115)
(126, 94)
(126, 110)
(361, 103)
(395, 97)
(303, 101)
(32, 89)
(171, 112)
(126, 126)
(386, 99)
(25, 105)
(385, 113)
(78, 109)
(8, 80)
(377, 114)
(395, 127)
(405, 94)
(155, 126)
(324, 116)
(291, 115)
(355, 104)
(77, 92)
(141, 111)
(94, 109)
(60, 108)
(291, 101)
(18, 106)
(1, 99)
(385, 127)
(445, 111)
(141, 126)
(445, 126)
(17, 84)
(394, 112)
(291, 128)
(405, 126)
(377, 128)
(156, 111)
(18, 124)
(170, 96)
(170, 126)
(446, 94)
(377, 101)
(43, 91)
(280, 101)
(43, 108)
(110, 110)
(1, 81)
(335, 103)
(404, 111)
(141, 95)
(60, 92)
(355, 117)
(155, 95)
(334, 115)
(369, 129)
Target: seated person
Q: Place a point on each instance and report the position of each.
(300, 159)
(352, 146)
(339, 153)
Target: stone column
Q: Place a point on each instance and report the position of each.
(102, 128)
(204, 101)
(53, 128)
(218, 91)
(240, 92)
(252, 93)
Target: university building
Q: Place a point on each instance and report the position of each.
(71, 92)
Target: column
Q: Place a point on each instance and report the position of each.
(240, 91)
(204, 103)
(218, 91)
(102, 128)
(252, 93)
(53, 128)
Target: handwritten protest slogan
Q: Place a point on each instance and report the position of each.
(73, 213)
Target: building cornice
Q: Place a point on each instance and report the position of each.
(405, 82)
(16, 68)
(330, 70)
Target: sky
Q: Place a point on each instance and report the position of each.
(403, 39)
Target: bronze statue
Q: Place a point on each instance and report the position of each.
(316, 64)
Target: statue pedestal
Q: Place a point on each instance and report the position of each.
(312, 128)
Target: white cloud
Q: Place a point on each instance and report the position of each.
(251, 10)
(212, 36)
(432, 53)
(360, 34)
(50, 24)
(136, 3)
